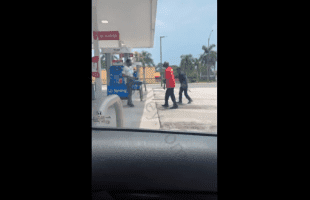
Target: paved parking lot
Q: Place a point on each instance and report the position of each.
(199, 116)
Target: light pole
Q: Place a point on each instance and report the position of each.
(208, 57)
(161, 63)
(209, 38)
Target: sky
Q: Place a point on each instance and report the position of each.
(187, 25)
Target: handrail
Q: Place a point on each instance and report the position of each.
(118, 106)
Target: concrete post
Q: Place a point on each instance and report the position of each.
(98, 81)
(161, 67)
(108, 60)
(126, 56)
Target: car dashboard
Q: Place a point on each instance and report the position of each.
(153, 164)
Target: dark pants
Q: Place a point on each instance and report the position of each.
(129, 83)
(170, 92)
(185, 93)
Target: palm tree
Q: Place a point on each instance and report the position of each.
(146, 60)
(203, 61)
(207, 56)
(213, 55)
(197, 66)
(187, 64)
(158, 67)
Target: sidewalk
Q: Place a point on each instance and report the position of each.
(142, 115)
(203, 82)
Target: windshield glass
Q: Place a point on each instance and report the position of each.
(171, 81)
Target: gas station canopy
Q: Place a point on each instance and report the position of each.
(117, 50)
(134, 20)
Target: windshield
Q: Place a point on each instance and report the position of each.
(172, 81)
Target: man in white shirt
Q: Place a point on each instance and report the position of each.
(129, 80)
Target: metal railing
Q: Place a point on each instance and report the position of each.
(111, 100)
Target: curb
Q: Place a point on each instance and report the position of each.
(150, 119)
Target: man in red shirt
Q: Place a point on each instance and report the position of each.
(170, 84)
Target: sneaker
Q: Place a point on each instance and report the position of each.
(190, 101)
(180, 102)
(131, 105)
(165, 105)
(174, 106)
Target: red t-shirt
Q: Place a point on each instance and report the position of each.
(170, 81)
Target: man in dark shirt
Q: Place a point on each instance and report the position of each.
(183, 87)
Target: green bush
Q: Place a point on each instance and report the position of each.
(192, 79)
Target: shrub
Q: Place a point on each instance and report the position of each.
(192, 79)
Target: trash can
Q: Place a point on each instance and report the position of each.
(93, 92)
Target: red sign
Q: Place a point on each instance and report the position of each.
(95, 59)
(114, 61)
(122, 55)
(95, 69)
(96, 74)
(106, 35)
(117, 62)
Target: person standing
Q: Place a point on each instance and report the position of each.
(183, 86)
(170, 84)
(129, 80)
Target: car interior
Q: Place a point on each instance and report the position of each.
(153, 164)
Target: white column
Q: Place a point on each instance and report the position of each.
(98, 81)
(108, 61)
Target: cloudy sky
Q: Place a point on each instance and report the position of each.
(187, 25)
